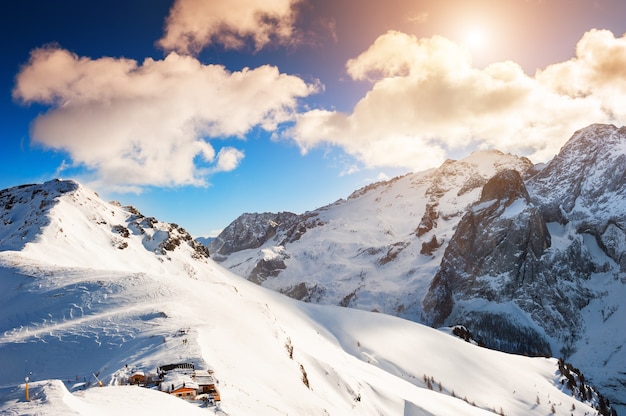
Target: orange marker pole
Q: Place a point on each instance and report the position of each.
(99, 382)
(27, 399)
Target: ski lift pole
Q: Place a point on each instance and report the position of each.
(99, 382)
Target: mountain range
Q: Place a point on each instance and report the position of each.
(93, 291)
(530, 258)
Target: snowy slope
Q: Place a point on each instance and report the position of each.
(64, 220)
(73, 303)
(542, 273)
(371, 250)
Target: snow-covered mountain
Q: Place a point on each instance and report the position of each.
(371, 251)
(532, 259)
(89, 288)
(64, 219)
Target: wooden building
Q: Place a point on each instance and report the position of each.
(138, 377)
(207, 384)
(180, 385)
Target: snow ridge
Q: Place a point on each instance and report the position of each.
(51, 219)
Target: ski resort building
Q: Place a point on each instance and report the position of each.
(184, 381)
(207, 384)
(180, 385)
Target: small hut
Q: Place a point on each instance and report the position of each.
(138, 377)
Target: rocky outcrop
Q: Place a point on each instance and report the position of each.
(500, 253)
(585, 186)
(295, 229)
(429, 220)
(429, 247)
(494, 252)
(266, 268)
(498, 256)
(303, 292)
(250, 231)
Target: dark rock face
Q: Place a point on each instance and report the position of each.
(612, 240)
(295, 229)
(303, 292)
(506, 186)
(392, 252)
(587, 170)
(500, 251)
(430, 246)
(429, 220)
(265, 269)
(250, 231)
(494, 253)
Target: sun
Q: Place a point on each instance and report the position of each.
(475, 38)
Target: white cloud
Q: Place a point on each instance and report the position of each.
(349, 170)
(194, 24)
(61, 168)
(147, 124)
(597, 73)
(228, 159)
(427, 99)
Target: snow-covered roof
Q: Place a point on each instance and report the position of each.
(204, 379)
(178, 380)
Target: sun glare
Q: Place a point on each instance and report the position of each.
(475, 38)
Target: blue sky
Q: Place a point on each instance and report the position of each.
(150, 102)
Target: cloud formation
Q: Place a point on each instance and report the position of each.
(427, 99)
(228, 159)
(142, 124)
(194, 24)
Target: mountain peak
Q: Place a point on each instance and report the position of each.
(591, 140)
(506, 186)
(586, 179)
(67, 224)
(26, 210)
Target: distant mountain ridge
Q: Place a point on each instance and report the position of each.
(529, 258)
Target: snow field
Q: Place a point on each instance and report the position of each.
(355, 362)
